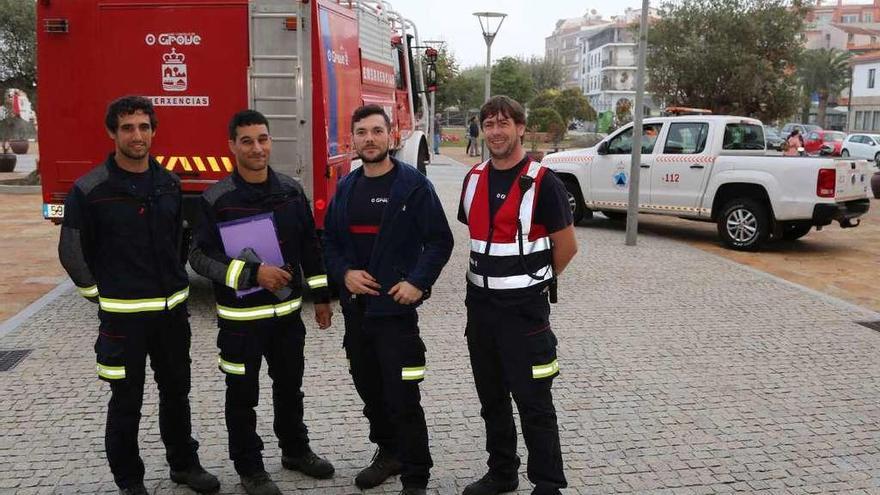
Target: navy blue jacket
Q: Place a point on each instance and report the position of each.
(413, 244)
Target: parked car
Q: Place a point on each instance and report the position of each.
(823, 142)
(714, 169)
(804, 128)
(865, 146)
(774, 139)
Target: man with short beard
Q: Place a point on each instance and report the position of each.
(120, 244)
(521, 239)
(386, 239)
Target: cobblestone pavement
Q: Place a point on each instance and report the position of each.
(682, 373)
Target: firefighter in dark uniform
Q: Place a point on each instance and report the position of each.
(120, 244)
(521, 238)
(386, 239)
(263, 323)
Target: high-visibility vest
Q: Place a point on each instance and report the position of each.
(495, 261)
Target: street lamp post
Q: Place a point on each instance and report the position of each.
(490, 23)
(431, 54)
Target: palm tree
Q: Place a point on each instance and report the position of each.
(825, 72)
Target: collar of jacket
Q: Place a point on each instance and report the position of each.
(118, 177)
(408, 180)
(256, 191)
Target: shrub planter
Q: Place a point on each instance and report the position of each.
(7, 162)
(875, 185)
(19, 146)
(536, 156)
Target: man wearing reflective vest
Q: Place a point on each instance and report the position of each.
(386, 240)
(120, 243)
(521, 238)
(266, 322)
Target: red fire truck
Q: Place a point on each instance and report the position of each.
(306, 64)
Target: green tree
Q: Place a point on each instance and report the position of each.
(569, 104)
(18, 67)
(545, 119)
(546, 72)
(731, 56)
(825, 72)
(511, 77)
(447, 70)
(464, 90)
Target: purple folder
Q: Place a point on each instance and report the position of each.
(256, 232)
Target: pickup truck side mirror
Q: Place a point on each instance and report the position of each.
(603, 148)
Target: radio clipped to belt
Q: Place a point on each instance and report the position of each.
(525, 183)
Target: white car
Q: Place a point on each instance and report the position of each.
(865, 146)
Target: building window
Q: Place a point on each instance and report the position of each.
(873, 40)
(849, 18)
(868, 17)
(876, 124)
(871, 74)
(850, 38)
(857, 122)
(824, 18)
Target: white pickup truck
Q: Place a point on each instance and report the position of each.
(715, 169)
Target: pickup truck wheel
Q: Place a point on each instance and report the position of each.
(844, 153)
(575, 200)
(744, 224)
(793, 231)
(614, 216)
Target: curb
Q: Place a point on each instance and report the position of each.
(22, 316)
(8, 189)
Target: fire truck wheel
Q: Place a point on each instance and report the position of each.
(424, 158)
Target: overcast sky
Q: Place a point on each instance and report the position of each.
(523, 31)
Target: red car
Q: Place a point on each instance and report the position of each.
(823, 142)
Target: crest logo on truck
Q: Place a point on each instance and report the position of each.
(174, 71)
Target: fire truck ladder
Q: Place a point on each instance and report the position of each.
(276, 80)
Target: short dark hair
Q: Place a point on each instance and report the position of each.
(505, 106)
(245, 118)
(362, 112)
(128, 105)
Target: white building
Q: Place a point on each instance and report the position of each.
(864, 113)
(563, 45)
(608, 68)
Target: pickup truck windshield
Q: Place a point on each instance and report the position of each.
(743, 136)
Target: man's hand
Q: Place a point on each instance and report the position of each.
(405, 293)
(323, 314)
(272, 278)
(361, 282)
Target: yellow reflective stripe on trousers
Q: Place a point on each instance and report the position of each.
(88, 291)
(414, 373)
(545, 370)
(229, 367)
(111, 372)
(259, 312)
(138, 305)
(317, 281)
(233, 272)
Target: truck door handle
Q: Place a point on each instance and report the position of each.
(697, 165)
(645, 165)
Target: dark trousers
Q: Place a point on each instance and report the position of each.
(124, 341)
(281, 342)
(379, 349)
(511, 350)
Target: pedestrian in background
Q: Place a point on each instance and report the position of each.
(473, 133)
(438, 133)
(793, 142)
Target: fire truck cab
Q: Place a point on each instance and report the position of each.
(305, 64)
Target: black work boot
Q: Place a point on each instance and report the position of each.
(309, 464)
(383, 466)
(259, 483)
(136, 489)
(196, 478)
(413, 491)
(491, 484)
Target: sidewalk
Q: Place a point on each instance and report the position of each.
(682, 373)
